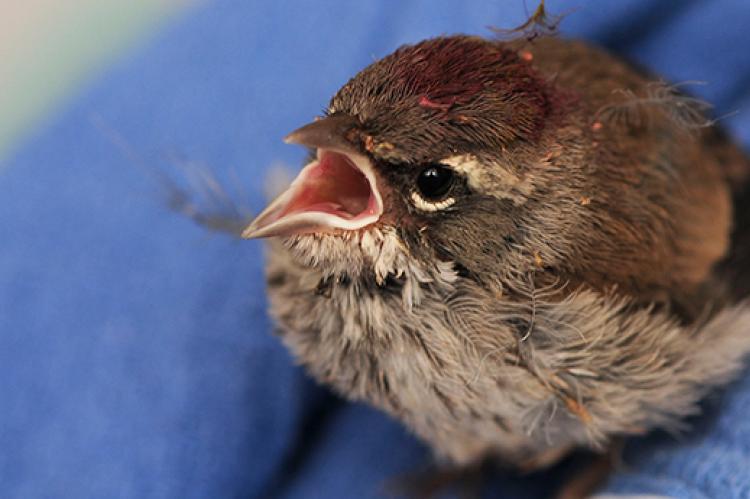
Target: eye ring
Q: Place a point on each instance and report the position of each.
(434, 182)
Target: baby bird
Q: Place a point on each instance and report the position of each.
(517, 248)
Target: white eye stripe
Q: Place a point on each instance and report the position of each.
(494, 179)
(468, 165)
(424, 205)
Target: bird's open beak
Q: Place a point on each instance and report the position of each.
(337, 190)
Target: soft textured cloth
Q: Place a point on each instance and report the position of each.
(136, 356)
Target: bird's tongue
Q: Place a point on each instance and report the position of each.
(333, 185)
(331, 192)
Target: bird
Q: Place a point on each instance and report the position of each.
(516, 247)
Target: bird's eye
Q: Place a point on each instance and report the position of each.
(434, 182)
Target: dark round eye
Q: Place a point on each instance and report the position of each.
(434, 182)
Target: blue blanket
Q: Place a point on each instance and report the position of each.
(136, 356)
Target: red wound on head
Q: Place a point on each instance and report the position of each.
(425, 101)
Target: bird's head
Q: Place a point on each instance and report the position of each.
(435, 157)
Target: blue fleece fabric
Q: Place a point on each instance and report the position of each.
(136, 356)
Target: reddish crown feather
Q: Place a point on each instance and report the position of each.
(444, 72)
(491, 93)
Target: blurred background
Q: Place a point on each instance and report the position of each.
(49, 48)
(136, 356)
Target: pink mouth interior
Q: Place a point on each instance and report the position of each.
(334, 185)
